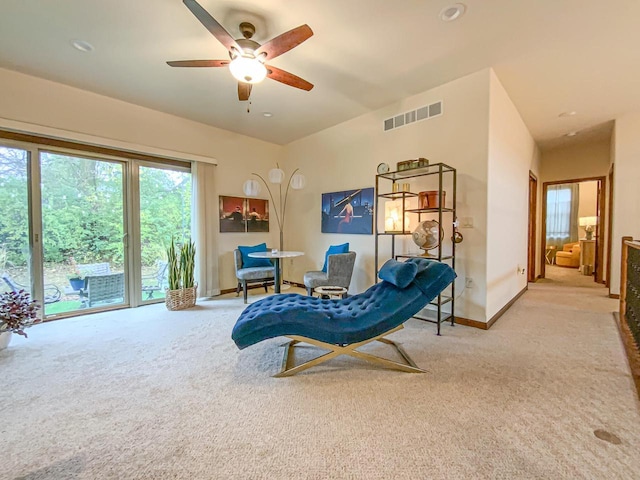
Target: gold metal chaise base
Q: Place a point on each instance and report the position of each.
(289, 369)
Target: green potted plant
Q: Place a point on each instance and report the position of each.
(182, 289)
(17, 312)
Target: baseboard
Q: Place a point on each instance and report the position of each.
(502, 311)
(467, 322)
(249, 287)
(487, 325)
(632, 350)
(294, 284)
(614, 295)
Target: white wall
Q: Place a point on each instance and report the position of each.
(42, 106)
(582, 160)
(626, 199)
(345, 157)
(512, 154)
(588, 201)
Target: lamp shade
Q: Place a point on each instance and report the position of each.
(276, 175)
(587, 221)
(298, 181)
(247, 69)
(251, 188)
(393, 217)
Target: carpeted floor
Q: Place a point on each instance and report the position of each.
(151, 394)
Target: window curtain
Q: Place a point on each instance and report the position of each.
(204, 212)
(562, 214)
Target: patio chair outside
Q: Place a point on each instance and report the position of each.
(103, 289)
(52, 294)
(157, 281)
(95, 268)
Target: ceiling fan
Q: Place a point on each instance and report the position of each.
(248, 57)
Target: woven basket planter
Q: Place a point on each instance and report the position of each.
(181, 299)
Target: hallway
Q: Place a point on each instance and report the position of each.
(569, 277)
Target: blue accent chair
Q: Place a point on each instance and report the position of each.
(341, 326)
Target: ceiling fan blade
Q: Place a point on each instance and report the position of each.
(198, 63)
(212, 25)
(288, 78)
(285, 42)
(244, 90)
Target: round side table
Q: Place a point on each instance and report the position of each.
(329, 292)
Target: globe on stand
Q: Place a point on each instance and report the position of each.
(427, 236)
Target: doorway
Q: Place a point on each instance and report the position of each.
(573, 229)
(533, 208)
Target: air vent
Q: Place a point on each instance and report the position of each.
(388, 124)
(422, 113)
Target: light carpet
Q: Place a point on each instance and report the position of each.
(151, 394)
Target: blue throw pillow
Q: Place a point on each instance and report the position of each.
(248, 262)
(401, 274)
(333, 249)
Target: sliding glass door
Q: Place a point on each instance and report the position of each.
(83, 231)
(89, 231)
(165, 213)
(15, 259)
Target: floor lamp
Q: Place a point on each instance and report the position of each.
(276, 176)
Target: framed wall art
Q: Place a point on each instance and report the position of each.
(239, 214)
(348, 211)
(257, 215)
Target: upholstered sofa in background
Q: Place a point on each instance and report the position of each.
(569, 256)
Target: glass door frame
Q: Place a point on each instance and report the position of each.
(126, 222)
(135, 250)
(34, 224)
(131, 215)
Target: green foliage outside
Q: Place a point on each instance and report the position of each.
(82, 209)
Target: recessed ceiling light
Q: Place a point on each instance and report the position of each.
(267, 114)
(571, 134)
(567, 114)
(452, 12)
(82, 45)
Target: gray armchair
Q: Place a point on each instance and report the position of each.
(245, 276)
(339, 271)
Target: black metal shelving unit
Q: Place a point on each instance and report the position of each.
(435, 178)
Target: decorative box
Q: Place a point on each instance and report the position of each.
(429, 199)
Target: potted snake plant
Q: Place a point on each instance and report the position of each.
(182, 291)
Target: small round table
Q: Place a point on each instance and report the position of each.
(275, 256)
(328, 292)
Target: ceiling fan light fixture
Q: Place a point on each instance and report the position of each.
(248, 69)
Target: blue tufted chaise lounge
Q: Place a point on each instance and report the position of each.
(344, 325)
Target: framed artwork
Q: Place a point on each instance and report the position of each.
(239, 214)
(348, 211)
(232, 214)
(257, 215)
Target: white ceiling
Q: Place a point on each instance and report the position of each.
(551, 56)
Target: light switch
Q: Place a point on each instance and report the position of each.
(466, 222)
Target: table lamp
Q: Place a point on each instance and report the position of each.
(588, 223)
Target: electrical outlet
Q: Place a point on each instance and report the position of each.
(468, 282)
(520, 270)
